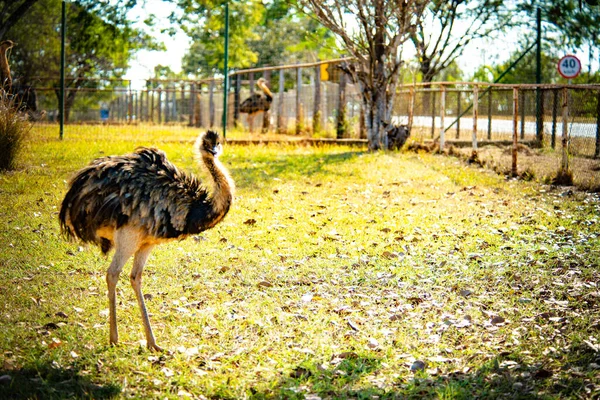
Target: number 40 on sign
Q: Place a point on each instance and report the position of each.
(569, 67)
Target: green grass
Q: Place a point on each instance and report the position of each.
(335, 270)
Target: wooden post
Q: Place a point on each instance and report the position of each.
(341, 130)
(191, 104)
(159, 101)
(183, 103)
(211, 104)
(167, 114)
(540, 116)
(597, 151)
(458, 111)
(554, 117)
(236, 100)
(266, 125)
(490, 103)
(514, 170)
(152, 106)
(522, 105)
(442, 115)
(475, 116)
(280, 120)
(251, 79)
(411, 107)
(298, 101)
(317, 101)
(433, 112)
(199, 113)
(129, 104)
(565, 131)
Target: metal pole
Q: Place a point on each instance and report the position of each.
(226, 71)
(514, 170)
(442, 115)
(539, 132)
(565, 131)
(475, 116)
(61, 99)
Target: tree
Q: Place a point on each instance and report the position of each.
(569, 24)
(11, 11)
(447, 27)
(100, 43)
(523, 72)
(260, 33)
(373, 32)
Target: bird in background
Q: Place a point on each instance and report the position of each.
(136, 201)
(257, 103)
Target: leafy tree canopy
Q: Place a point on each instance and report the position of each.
(260, 33)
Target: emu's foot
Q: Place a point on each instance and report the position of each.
(155, 347)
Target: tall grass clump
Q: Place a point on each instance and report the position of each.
(14, 127)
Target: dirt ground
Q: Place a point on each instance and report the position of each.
(539, 164)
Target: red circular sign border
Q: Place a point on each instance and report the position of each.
(578, 72)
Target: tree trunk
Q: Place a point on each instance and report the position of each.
(378, 107)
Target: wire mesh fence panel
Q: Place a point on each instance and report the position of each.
(552, 120)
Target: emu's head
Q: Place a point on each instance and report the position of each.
(6, 45)
(210, 143)
(262, 84)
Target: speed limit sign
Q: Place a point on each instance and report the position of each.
(569, 67)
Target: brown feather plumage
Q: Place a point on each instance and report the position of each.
(258, 102)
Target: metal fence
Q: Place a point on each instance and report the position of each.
(316, 100)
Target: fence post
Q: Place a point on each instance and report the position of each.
(199, 114)
(236, 100)
(565, 131)
(182, 102)
(159, 101)
(211, 103)
(129, 104)
(554, 116)
(191, 104)
(514, 170)
(341, 130)
(266, 125)
(442, 115)
(317, 101)
(298, 101)
(280, 122)
(151, 95)
(433, 112)
(523, 104)
(458, 113)
(475, 116)
(411, 107)
(489, 127)
(167, 114)
(597, 152)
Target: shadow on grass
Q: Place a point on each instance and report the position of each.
(264, 169)
(44, 381)
(505, 376)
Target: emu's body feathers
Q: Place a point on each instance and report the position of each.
(142, 189)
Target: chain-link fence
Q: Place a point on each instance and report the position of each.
(550, 125)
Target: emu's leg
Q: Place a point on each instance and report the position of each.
(251, 122)
(126, 245)
(139, 261)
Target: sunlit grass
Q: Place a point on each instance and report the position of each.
(334, 272)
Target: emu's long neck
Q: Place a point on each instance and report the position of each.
(4, 69)
(223, 186)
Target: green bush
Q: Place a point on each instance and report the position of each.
(14, 127)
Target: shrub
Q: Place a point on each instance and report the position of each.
(14, 128)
